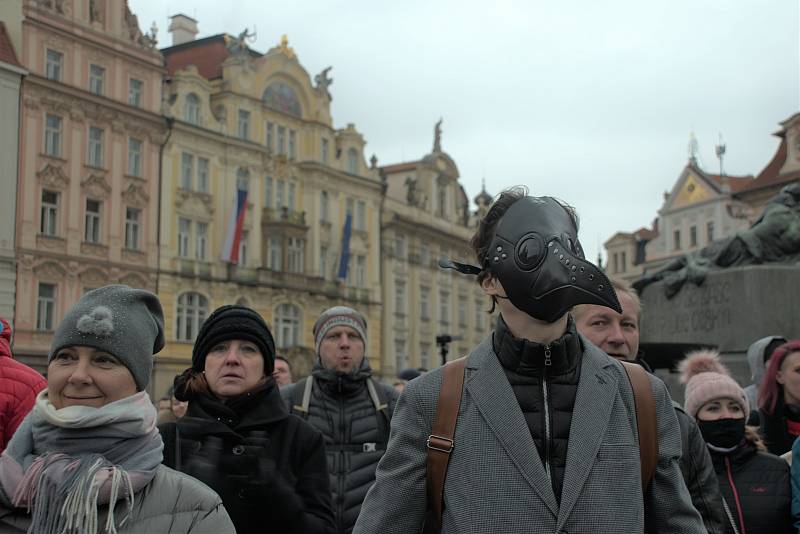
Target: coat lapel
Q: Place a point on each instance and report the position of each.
(488, 386)
(594, 401)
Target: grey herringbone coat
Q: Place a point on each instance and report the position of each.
(496, 482)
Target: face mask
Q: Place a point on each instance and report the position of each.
(536, 256)
(723, 433)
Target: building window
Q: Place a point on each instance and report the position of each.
(616, 262)
(92, 226)
(677, 238)
(710, 231)
(425, 355)
(623, 262)
(287, 326)
(280, 200)
(244, 124)
(361, 271)
(348, 207)
(97, 78)
(94, 157)
(692, 236)
(268, 200)
(135, 92)
(53, 67)
(202, 175)
(242, 180)
(187, 170)
(294, 255)
(201, 241)
(292, 144)
(352, 161)
(192, 311)
(462, 311)
(424, 303)
(424, 256)
(292, 190)
(444, 308)
(323, 262)
(243, 248)
(324, 208)
(400, 355)
(324, 149)
(274, 256)
(442, 200)
(191, 109)
(281, 140)
(400, 247)
(399, 297)
(270, 136)
(479, 315)
(134, 157)
(132, 217)
(49, 217)
(52, 135)
(361, 215)
(46, 307)
(184, 232)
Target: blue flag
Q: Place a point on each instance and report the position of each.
(344, 259)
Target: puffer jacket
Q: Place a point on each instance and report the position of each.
(268, 466)
(756, 488)
(755, 359)
(780, 429)
(172, 503)
(355, 432)
(19, 385)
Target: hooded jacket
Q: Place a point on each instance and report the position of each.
(755, 359)
(355, 432)
(19, 385)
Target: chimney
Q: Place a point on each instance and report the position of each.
(182, 28)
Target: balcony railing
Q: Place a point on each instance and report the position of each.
(284, 215)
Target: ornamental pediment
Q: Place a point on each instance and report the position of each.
(96, 186)
(53, 176)
(49, 270)
(136, 196)
(194, 202)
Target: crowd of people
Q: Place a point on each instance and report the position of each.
(546, 426)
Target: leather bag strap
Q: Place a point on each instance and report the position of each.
(440, 443)
(645, 421)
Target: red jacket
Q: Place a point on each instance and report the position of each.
(19, 385)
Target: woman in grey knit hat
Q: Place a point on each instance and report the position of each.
(87, 459)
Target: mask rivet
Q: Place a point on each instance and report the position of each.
(574, 268)
(600, 287)
(591, 277)
(496, 258)
(567, 262)
(581, 269)
(499, 248)
(504, 255)
(555, 251)
(572, 279)
(561, 257)
(550, 244)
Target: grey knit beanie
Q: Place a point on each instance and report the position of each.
(125, 322)
(339, 316)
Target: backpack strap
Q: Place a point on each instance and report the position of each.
(440, 442)
(381, 407)
(645, 405)
(301, 397)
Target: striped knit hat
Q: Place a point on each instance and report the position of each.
(339, 316)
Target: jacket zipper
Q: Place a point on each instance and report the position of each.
(735, 495)
(546, 397)
(342, 456)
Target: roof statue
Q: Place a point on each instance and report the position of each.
(322, 82)
(238, 45)
(773, 238)
(437, 136)
(285, 49)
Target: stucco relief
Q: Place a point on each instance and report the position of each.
(134, 280)
(95, 250)
(93, 277)
(49, 269)
(52, 176)
(134, 256)
(193, 202)
(96, 186)
(136, 196)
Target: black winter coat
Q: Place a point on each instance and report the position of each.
(757, 487)
(355, 433)
(774, 428)
(267, 466)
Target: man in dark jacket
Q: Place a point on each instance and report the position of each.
(618, 335)
(352, 410)
(19, 385)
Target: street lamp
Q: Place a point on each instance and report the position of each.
(443, 340)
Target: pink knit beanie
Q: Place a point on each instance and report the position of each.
(706, 379)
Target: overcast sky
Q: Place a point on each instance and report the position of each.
(589, 101)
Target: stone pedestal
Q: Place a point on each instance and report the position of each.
(731, 309)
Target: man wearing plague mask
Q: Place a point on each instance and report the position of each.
(545, 436)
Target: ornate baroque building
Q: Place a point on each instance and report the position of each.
(11, 74)
(89, 141)
(426, 217)
(241, 120)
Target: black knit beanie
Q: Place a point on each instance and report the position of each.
(234, 322)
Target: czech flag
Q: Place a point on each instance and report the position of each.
(230, 250)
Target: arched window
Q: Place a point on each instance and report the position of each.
(352, 161)
(281, 97)
(324, 214)
(191, 110)
(192, 311)
(287, 326)
(242, 179)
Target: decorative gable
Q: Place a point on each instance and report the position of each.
(96, 186)
(136, 196)
(53, 176)
(691, 189)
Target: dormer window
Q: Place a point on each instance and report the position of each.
(191, 111)
(352, 161)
